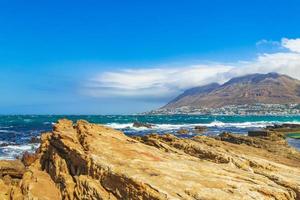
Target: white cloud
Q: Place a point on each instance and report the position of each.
(156, 82)
(167, 82)
(284, 63)
(291, 44)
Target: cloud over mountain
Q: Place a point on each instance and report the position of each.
(153, 83)
(165, 82)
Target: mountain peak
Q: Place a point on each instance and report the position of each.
(270, 88)
(253, 78)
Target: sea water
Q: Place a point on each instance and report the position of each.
(17, 130)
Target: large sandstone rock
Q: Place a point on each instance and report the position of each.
(88, 161)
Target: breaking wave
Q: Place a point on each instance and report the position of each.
(260, 124)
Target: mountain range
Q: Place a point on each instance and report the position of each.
(271, 88)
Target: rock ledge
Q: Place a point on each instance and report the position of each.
(88, 161)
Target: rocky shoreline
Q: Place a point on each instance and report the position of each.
(88, 161)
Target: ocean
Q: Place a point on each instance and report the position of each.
(16, 131)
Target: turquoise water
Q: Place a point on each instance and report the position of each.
(16, 131)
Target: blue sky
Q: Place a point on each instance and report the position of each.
(118, 57)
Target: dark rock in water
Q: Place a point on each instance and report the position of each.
(272, 135)
(200, 129)
(272, 126)
(286, 130)
(284, 126)
(183, 131)
(263, 133)
(290, 125)
(28, 158)
(4, 144)
(140, 125)
(34, 140)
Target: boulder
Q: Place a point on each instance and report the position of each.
(183, 131)
(34, 140)
(284, 126)
(142, 125)
(271, 135)
(29, 158)
(290, 126)
(4, 144)
(203, 128)
(200, 129)
(257, 133)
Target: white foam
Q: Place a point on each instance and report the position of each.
(7, 158)
(25, 147)
(8, 131)
(171, 126)
(260, 124)
(10, 152)
(120, 126)
(257, 124)
(6, 126)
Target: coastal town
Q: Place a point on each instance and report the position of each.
(253, 109)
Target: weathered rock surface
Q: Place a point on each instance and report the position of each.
(14, 168)
(88, 161)
(275, 145)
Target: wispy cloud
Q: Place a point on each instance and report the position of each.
(165, 82)
(264, 42)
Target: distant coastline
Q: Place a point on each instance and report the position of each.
(244, 110)
(252, 94)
